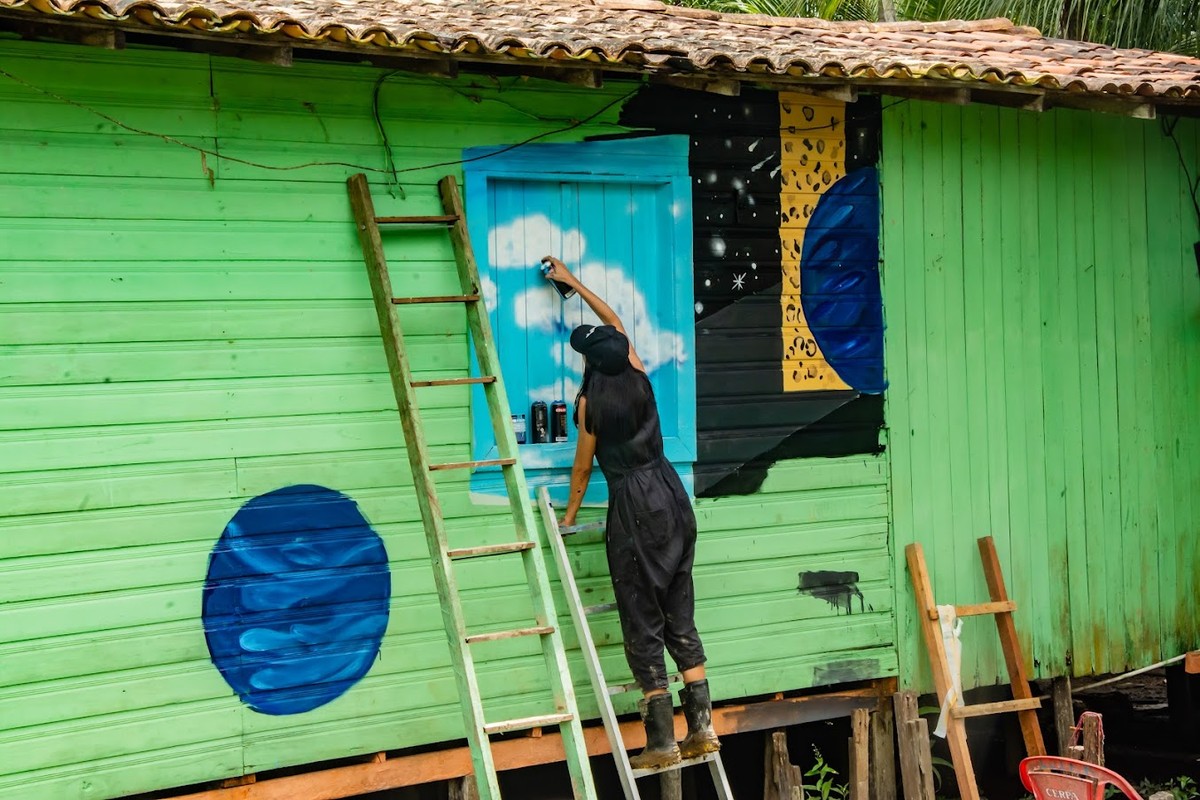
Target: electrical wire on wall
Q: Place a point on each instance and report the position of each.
(1169, 124)
(389, 169)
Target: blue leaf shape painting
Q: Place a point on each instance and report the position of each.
(296, 599)
(839, 280)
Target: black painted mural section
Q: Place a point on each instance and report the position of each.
(745, 421)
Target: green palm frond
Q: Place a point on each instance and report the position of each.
(1172, 25)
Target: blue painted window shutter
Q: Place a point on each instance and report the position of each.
(619, 214)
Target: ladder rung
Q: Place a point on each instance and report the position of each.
(445, 219)
(454, 381)
(570, 530)
(527, 723)
(443, 298)
(495, 636)
(1003, 707)
(687, 762)
(599, 608)
(980, 609)
(494, 462)
(489, 550)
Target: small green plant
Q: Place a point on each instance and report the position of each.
(823, 785)
(1181, 788)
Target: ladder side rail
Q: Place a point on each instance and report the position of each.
(956, 736)
(401, 376)
(538, 579)
(591, 658)
(1010, 645)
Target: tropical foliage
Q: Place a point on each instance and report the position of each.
(1154, 24)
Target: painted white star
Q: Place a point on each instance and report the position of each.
(739, 281)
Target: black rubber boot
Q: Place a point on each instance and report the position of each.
(697, 707)
(659, 719)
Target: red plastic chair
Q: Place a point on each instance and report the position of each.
(1054, 778)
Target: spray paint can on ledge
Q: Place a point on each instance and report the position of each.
(519, 427)
(540, 422)
(558, 421)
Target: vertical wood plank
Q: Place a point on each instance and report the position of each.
(1063, 371)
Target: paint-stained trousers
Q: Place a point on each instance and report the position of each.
(651, 544)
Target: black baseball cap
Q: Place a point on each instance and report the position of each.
(604, 347)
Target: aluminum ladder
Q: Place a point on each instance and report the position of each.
(603, 690)
(525, 543)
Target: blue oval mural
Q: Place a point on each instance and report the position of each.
(839, 280)
(296, 599)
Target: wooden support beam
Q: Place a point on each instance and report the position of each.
(846, 93)
(90, 35)
(883, 752)
(953, 95)
(1136, 108)
(860, 754)
(273, 53)
(443, 765)
(1064, 714)
(701, 83)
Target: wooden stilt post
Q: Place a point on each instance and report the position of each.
(670, 786)
(782, 781)
(1093, 739)
(464, 789)
(1064, 714)
(860, 758)
(916, 760)
(883, 752)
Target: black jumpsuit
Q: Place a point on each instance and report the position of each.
(651, 543)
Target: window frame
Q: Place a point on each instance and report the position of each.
(655, 161)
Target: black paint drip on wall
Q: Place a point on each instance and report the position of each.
(745, 421)
(836, 588)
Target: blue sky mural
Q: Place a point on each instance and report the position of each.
(626, 232)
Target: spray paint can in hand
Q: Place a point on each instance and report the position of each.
(540, 422)
(558, 421)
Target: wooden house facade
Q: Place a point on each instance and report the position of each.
(872, 318)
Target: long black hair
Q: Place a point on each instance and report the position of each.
(616, 404)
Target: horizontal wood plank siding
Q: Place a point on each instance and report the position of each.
(181, 333)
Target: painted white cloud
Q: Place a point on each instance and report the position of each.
(522, 242)
(541, 309)
(489, 292)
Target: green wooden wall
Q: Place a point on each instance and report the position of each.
(1043, 352)
(179, 334)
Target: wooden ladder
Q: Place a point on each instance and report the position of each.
(604, 691)
(566, 714)
(1023, 702)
